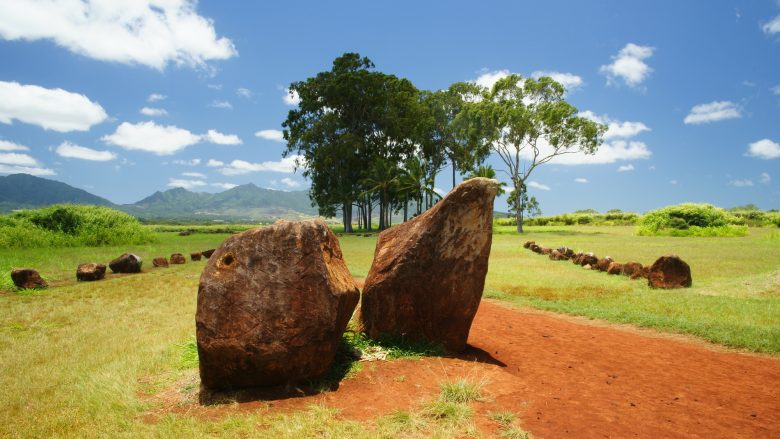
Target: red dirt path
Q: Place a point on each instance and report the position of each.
(565, 377)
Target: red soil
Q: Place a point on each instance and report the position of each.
(566, 377)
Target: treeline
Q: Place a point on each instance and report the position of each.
(372, 143)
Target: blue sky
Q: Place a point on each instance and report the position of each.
(123, 98)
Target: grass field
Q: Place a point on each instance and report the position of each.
(77, 360)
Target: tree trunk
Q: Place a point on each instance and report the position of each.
(454, 166)
(406, 209)
(370, 209)
(347, 217)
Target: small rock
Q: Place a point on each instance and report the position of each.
(615, 268)
(207, 253)
(178, 258)
(566, 252)
(588, 259)
(629, 268)
(127, 263)
(28, 278)
(603, 263)
(528, 244)
(185, 233)
(160, 261)
(90, 272)
(195, 256)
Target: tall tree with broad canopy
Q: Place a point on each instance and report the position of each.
(529, 123)
(346, 119)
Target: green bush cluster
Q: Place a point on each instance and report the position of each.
(588, 217)
(70, 225)
(690, 219)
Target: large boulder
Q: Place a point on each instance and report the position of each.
(27, 278)
(178, 258)
(160, 261)
(90, 272)
(273, 303)
(669, 272)
(427, 277)
(127, 263)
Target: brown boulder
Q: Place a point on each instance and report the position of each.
(427, 277)
(528, 244)
(588, 259)
(195, 256)
(576, 258)
(546, 250)
(615, 268)
(669, 272)
(641, 273)
(207, 253)
(127, 263)
(536, 248)
(566, 252)
(160, 261)
(27, 278)
(90, 272)
(629, 268)
(603, 263)
(555, 255)
(178, 258)
(273, 303)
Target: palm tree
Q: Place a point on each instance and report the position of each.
(382, 181)
(487, 172)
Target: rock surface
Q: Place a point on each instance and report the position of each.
(27, 278)
(195, 256)
(273, 303)
(629, 268)
(160, 261)
(669, 272)
(90, 272)
(428, 274)
(127, 263)
(615, 268)
(588, 259)
(207, 253)
(178, 258)
(603, 263)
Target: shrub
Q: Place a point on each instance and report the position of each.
(69, 225)
(690, 219)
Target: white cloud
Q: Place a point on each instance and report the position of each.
(615, 128)
(16, 159)
(773, 26)
(626, 168)
(672, 181)
(764, 149)
(215, 136)
(193, 162)
(193, 174)
(70, 150)
(186, 184)
(289, 182)
(153, 33)
(291, 98)
(215, 163)
(221, 104)
(148, 111)
(537, 185)
(741, 183)
(150, 137)
(713, 112)
(240, 167)
(608, 152)
(11, 146)
(5, 169)
(488, 79)
(568, 80)
(581, 180)
(50, 108)
(765, 178)
(214, 86)
(225, 186)
(776, 89)
(244, 92)
(629, 65)
(275, 135)
(156, 97)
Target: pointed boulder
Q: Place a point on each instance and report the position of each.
(273, 303)
(427, 277)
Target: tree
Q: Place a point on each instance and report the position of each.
(530, 123)
(518, 200)
(487, 172)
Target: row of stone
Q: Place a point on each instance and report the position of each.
(29, 278)
(666, 272)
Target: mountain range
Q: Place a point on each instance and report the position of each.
(241, 203)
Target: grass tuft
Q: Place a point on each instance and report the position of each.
(461, 391)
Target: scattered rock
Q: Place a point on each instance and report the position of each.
(576, 258)
(615, 268)
(185, 233)
(90, 272)
(556, 255)
(27, 278)
(528, 244)
(629, 268)
(603, 263)
(587, 266)
(178, 258)
(641, 273)
(127, 263)
(588, 259)
(273, 304)
(566, 252)
(207, 253)
(546, 250)
(160, 261)
(536, 248)
(195, 256)
(428, 274)
(669, 272)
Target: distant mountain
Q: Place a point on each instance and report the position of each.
(20, 191)
(242, 203)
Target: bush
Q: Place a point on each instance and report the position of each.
(690, 219)
(69, 225)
